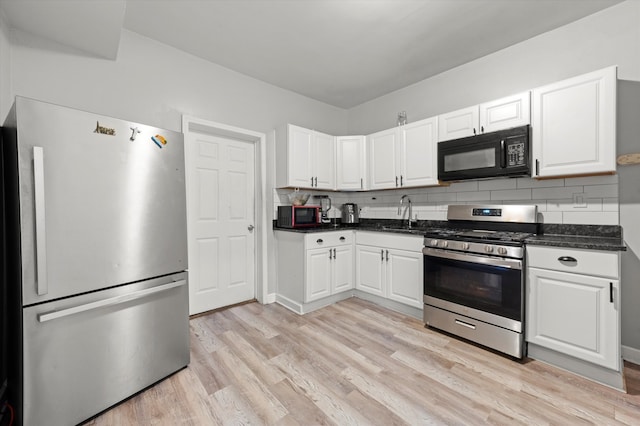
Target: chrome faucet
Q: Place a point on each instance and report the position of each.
(410, 209)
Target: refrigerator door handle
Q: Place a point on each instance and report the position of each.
(42, 286)
(108, 302)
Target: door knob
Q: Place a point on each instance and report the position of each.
(250, 228)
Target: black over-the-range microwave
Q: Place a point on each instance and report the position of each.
(505, 153)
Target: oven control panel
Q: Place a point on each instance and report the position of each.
(516, 252)
(492, 212)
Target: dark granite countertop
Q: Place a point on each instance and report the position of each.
(378, 225)
(590, 237)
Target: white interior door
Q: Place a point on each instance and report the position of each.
(220, 221)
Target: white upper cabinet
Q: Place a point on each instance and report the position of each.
(299, 157)
(351, 163)
(573, 125)
(419, 153)
(306, 159)
(512, 111)
(323, 160)
(458, 124)
(404, 156)
(504, 113)
(383, 148)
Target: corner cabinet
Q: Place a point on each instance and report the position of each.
(573, 126)
(504, 113)
(404, 156)
(351, 163)
(329, 265)
(306, 158)
(314, 269)
(390, 266)
(573, 303)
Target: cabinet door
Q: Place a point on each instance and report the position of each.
(323, 161)
(512, 111)
(299, 156)
(573, 125)
(342, 269)
(419, 153)
(404, 277)
(351, 163)
(383, 149)
(369, 273)
(574, 314)
(458, 124)
(318, 275)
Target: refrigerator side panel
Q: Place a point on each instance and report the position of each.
(102, 201)
(86, 353)
(12, 261)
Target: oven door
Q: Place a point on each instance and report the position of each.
(483, 283)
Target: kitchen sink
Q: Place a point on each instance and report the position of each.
(403, 230)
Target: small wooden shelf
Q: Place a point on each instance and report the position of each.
(627, 159)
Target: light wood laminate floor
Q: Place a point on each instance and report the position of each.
(355, 363)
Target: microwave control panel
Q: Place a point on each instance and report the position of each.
(516, 154)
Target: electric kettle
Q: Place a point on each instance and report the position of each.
(350, 213)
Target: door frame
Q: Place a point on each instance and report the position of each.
(197, 125)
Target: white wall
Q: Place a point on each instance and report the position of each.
(5, 68)
(610, 37)
(156, 84)
(629, 177)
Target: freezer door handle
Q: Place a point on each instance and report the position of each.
(108, 302)
(42, 287)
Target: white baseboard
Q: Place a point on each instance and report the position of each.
(631, 354)
(271, 298)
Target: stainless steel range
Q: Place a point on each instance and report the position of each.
(473, 274)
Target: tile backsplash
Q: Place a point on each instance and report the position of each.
(582, 200)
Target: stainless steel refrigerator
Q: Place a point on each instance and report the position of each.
(95, 258)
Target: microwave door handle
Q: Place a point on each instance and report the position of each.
(503, 155)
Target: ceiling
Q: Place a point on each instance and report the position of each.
(341, 52)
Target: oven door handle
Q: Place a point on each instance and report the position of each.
(473, 258)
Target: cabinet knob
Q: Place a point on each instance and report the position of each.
(567, 259)
(342, 238)
(319, 241)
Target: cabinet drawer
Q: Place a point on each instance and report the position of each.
(588, 262)
(326, 239)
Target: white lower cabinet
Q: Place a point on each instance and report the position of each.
(390, 266)
(312, 267)
(573, 303)
(329, 270)
(370, 270)
(320, 268)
